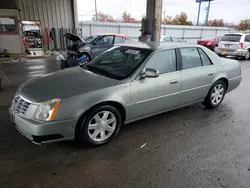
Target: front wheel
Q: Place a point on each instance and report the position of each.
(99, 126)
(86, 57)
(215, 95)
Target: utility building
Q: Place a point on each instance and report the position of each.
(41, 21)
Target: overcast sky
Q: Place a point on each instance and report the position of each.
(229, 10)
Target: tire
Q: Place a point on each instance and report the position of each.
(88, 132)
(247, 55)
(214, 48)
(213, 99)
(63, 65)
(87, 57)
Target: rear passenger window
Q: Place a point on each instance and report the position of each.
(190, 58)
(118, 40)
(204, 58)
(247, 38)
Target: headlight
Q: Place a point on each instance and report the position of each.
(47, 110)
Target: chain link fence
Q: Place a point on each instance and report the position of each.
(188, 33)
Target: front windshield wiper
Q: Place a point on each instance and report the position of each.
(102, 72)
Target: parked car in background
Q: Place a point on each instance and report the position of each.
(122, 85)
(169, 39)
(234, 44)
(93, 46)
(97, 44)
(209, 42)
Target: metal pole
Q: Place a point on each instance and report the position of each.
(199, 11)
(208, 10)
(154, 23)
(95, 11)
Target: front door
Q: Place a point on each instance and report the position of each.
(101, 45)
(153, 95)
(197, 75)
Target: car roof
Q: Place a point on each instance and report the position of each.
(114, 34)
(234, 33)
(159, 45)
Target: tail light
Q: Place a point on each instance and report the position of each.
(241, 44)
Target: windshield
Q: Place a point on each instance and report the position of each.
(118, 62)
(231, 38)
(90, 39)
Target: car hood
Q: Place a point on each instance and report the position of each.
(63, 83)
(74, 37)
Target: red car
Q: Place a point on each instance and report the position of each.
(209, 42)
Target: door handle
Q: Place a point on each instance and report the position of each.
(173, 81)
(210, 74)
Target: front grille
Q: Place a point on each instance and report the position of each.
(19, 105)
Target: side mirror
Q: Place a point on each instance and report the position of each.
(149, 73)
(94, 43)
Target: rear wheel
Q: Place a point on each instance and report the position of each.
(247, 55)
(215, 95)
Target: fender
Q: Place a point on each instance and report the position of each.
(219, 76)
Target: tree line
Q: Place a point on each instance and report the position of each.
(181, 19)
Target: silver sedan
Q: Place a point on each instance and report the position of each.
(124, 84)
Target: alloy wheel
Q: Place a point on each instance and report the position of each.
(101, 126)
(217, 94)
(247, 55)
(86, 57)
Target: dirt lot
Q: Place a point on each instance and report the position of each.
(191, 147)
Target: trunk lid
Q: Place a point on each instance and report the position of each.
(203, 42)
(230, 41)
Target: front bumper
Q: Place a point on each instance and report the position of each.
(44, 132)
(229, 52)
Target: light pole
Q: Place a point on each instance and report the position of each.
(199, 11)
(208, 10)
(96, 19)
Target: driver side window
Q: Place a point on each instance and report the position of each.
(164, 61)
(106, 40)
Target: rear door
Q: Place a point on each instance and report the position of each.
(101, 45)
(197, 75)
